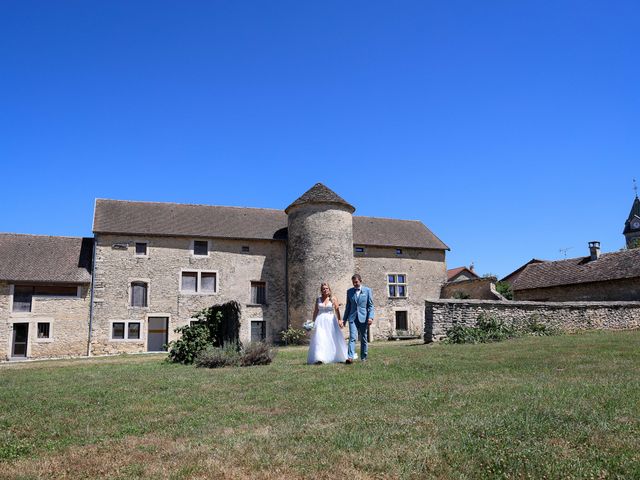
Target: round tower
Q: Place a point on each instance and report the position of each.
(320, 249)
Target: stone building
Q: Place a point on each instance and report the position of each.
(611, 276)
(44, 295)
(460, 274)
(156, 264)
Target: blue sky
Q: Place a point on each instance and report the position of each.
(509, 128)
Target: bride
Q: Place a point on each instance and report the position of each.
(327, 343)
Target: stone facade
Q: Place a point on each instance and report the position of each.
(161, 270)
(67, 317)
(624, 290)
(477, 288)
(441, 315)
(425, 272)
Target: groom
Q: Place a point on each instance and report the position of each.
(359, 313)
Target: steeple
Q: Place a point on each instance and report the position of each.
(632, 225)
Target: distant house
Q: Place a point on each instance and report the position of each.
(44, 295)
(512, 277)
(460, 274)
(611, 276)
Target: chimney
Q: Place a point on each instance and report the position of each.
(594, 250)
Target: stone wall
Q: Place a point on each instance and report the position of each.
(477, 288)
(425, 271)
(441, 315)
(68, 318)
(626, 290)
(115, 269)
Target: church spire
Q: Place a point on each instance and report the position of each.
(632, 225)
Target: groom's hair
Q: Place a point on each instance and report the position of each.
(356, 275)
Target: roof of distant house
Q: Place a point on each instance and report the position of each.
(454, 272)
(42, 259)
(173, 219)
(507, 278)
(610, 266)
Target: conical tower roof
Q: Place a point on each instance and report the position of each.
(320, 194)
(635, 212)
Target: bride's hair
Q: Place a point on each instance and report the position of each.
(331, 297)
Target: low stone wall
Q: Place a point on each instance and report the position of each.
(441, 315)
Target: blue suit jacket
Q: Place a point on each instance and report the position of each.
(359, 309)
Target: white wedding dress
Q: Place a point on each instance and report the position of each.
(327, 343)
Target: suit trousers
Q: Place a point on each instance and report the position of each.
(360, 329)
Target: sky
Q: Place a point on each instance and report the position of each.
(510, 129)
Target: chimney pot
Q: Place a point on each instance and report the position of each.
(594, 250)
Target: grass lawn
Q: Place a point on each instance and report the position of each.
(554, 407)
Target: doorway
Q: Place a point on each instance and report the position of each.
(157, 334)
(20, 340)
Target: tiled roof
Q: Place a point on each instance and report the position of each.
(610, 266)
(39, 258)
(175, 219)
(454, 272)
(394, 233)
(172, 219)
(510, 277)
(319, 193)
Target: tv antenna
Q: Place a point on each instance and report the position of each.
(635, 187)
(564, 251)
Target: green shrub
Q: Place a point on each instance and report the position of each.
(490, 329)
(217, 357)
(294, 336)
(193, 339)
(257, 353)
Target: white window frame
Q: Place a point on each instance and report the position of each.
(130, 293)
(136, 254)
(50, 337)
(396, 283)
(198, 282)
(126, 331)
(266, 293)
(192, 247)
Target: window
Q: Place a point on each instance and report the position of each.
(117, 331)
(139, 294)
(397, 285)
(245, 249)
(133, 332)
(258, 293)
(141, 249)
(359, 249)
(401, 321)
(258, 331)
(125, 331)
(23, 294)
(44, 330)
(398, 251)
(22, 298)
(201, 247)
(198, 282)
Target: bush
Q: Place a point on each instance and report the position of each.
(217, 357)
(193, 339)
(504, 289)
(232, 355)
(257, 353)
(490, 329)
(294, 336)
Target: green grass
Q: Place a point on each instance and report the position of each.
(545, 407)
